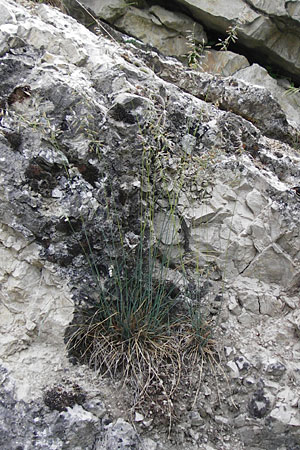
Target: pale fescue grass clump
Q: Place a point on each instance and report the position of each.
(141, 330)
(138, 332)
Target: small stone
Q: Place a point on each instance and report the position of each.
(281, 413)
(295, 403)
(121, 435)
(249, 381)
(195, 418)
(194, 435)
(240, 421)
(56, 193)
(149, 444)
(228, 351)
(233, 306)
(276, 369)
(290, 302)
(188, 143)
(206, 391)
(242, 363)
(259, 404)
(136, 184)
(221, 420)
(96, 407)
(147, 423)
(30, 326)
(294, 421)
(234, 372)
(139, 417)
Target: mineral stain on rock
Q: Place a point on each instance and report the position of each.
(19, 94)
(42, 178)
(259, 404)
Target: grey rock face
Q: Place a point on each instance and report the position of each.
(269, 26)
(224, 63)
(159, 27)
(252, 103)
(255, 74)
(269, 29)
(107, 10)
(78, 113)
(31, 425)
(120, 435)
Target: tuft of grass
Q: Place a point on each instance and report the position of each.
(140, 330)
(292, 90)
(196, 52)
(133, 312)
(137, 332)
(231, 37)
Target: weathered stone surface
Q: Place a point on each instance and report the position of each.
(272, 266)
(276, 8)
(79, 114)
(280, 11)
(277, 41)
(290, 103)
(217, 13)
(76, 428)
(32, 425)
(179, 22)
(222, 63)
(109, 10)
(166, 30)
(120, 435)
(293, 9)
(36, 306)
(253, 103)
(7, 16)
(269, 28)
(160, 28)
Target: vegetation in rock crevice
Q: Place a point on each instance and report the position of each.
(144, 328)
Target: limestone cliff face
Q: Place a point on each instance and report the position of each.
(79, 114)
(259, 39)
(270, 28)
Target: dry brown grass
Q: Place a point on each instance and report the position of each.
(160, 352)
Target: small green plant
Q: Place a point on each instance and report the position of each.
(232, 37)
(231, 34)
(139, 330)
(136, 330)
(196, 52)
(292, 90)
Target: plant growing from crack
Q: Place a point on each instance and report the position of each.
(197, 50)
(231, 38)
(292, 90)
(138, 329)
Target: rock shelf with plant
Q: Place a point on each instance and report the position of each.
(139, 323)
(147, 328)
